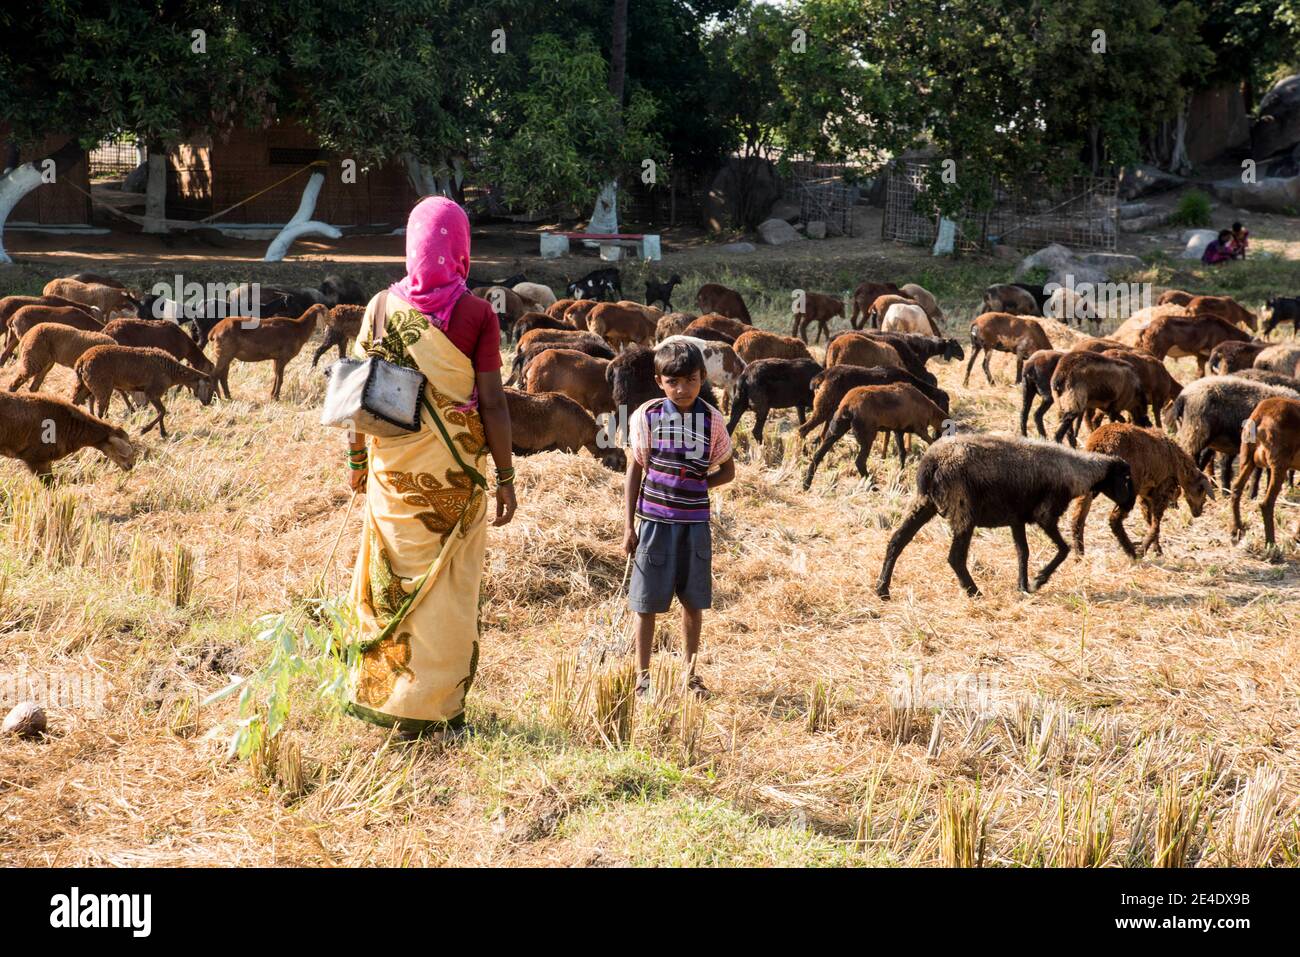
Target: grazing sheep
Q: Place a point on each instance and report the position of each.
(96, 279)
(28, 317)
(907, 317)
(597, 284)
(1208, 415)
(152, 306)
(48, 344)
(111, 301)
(1036, 381)
(768, 384)
(557, 309)
(867, 409)
(159, 334)
(661, 291)
(1088, 380)
(541, 297)
(1160, 470)
(723, 301)
(993, 481)
(11, 304)
(261, 301)
(1278, 310)
(577, 312)
(38, 430)
(1233, 356)
(1066, 305)
(1159, 387)
(1269, 378)
(673, 324)
(574, 374)
(342, 325)
(1098, 344)
(1175, 336)
(1004, 332)
(535, 320)
(509, 282)
(1225, 307)
(1131, 328)
(277, 339)
(857, 349)
(506, 303)
(621, 326)
(103, 369)
(820, 309)
(591, 345)
(925, 299)
(865, 296)
(1271, 441)
(881, 306)
(834, 382)
(718, 328)
(722, 367)
(553, 422)
(631, 378)
(1010, 299)
(916, 350)
(1284, 359)
(338, 291)
(758, 344)
(1174, 297)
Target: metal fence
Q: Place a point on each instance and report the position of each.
(114, 158)
(1083, 213)
(821, 191)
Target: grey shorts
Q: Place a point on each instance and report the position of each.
(672, 558)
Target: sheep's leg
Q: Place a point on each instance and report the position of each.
(1067, 420)
(324, 347)
(835, 432)
(1117, 516)
(1270, 497)
(802, 412)
(1027, 394)
(1062, 550)
(1020, 369)
(1154, 513)
(278, 381)
(1045, 403)
(1022, 557)
(1225, 469)
(1254, 483)
(1081, 508)
(902, 451)
(866, 436)
(738, 408)
(1238, 486)
(760, 422)
(10, 346)
(918, 514)
(957, 554)
(988, 374)
(794, 330)
(974, 351)
(158, 420)
(38, 380)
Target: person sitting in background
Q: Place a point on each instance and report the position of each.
(1219, 251)
(1240, 240)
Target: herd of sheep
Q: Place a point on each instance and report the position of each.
(591, 353)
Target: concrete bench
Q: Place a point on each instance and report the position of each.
(555, 245)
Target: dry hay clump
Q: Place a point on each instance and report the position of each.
(1129, 714)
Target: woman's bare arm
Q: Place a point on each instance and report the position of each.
(495, 414)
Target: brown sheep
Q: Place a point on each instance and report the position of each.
(925, 299)
(1175, 336)
(725, 302)
(867, 409)
(856, 349)
(621, 326)
(535, 320)
(38, 430)
(109, 300)
(1233, 356)
(1086, 380)
(818, 308)
(653, 313)
(1011, 299)
(11, 304)
(1160, 471)
(277, 339)
(1282, 358)
(863, 298)
(1174, 297)
(577, 312)
(1004, 332)
(881, 306)
(833, 383)
(1036, 382)
(28, 316)
(716, 327)
(48, 344)
(506, 303)
(576, 375)
(1159, 387)
(97, 279)
(758, 344)
(1225, 307)
(159, 334)
(557, 309)
(1098, 344)
(342, 325)
(1270, 440)
(103, 369)
(551, 421)
(1132, 328)
(673, 324)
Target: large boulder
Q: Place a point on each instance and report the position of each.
(1065, 267)
(777, 232)
(1049, 257)
(739, 248)
(1271, 195)
(785, 209)
(741, 193)
(1277, 124)
(1135, 181)
(1113, 264)
(1196, 240)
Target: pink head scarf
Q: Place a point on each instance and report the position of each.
(437, 259)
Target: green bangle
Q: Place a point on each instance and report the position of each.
(358, 466)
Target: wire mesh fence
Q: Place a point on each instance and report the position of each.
(115, 158)
(1081, 213)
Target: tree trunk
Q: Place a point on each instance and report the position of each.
(421, 175)
(18, 181)
(1178, 160)
(155, 197)
(618, 51)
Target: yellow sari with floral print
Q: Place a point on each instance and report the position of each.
(415, 587)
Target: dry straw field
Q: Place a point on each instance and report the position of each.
(1132, 713)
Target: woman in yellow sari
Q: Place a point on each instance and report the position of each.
(415, 587)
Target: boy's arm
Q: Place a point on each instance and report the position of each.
(724, 474)
(631, 489)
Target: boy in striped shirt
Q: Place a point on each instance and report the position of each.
(680, 450)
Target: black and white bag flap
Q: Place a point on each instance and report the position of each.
(392, 393)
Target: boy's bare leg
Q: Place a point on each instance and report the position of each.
(645, 637)
(692, 622)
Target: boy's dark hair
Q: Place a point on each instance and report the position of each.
(678, 359)
(1236, 227)
(1225, 232)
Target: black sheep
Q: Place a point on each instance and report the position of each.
(661, 292)
(768, 384)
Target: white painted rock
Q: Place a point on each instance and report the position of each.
(1197, 240)
(777, 232)
(27, 720)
